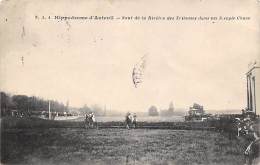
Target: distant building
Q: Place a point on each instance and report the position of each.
(253, 83)
(196, 110)
(196, 113)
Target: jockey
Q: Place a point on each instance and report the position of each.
(90, 119)
(92, 116)
(128, 116)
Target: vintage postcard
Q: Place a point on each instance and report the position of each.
(171, 82)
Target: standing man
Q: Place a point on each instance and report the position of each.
(252, 155)
(134, 120)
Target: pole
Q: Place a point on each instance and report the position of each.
(247, 81)
(105, 110)
(250, 93)
(49, 110)
(254, 94)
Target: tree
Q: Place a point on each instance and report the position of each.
(6, 103)
(152, 111)
(21, 103)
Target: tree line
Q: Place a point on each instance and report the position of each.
(27, 104)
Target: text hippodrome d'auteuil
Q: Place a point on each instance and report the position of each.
(227, 18)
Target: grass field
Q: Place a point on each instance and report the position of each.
(118, 146)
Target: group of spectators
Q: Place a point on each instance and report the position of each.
(248, 127)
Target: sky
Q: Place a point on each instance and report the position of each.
(91, 62)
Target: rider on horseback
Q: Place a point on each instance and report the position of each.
(90, 120)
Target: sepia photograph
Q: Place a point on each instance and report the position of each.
(130, 82)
